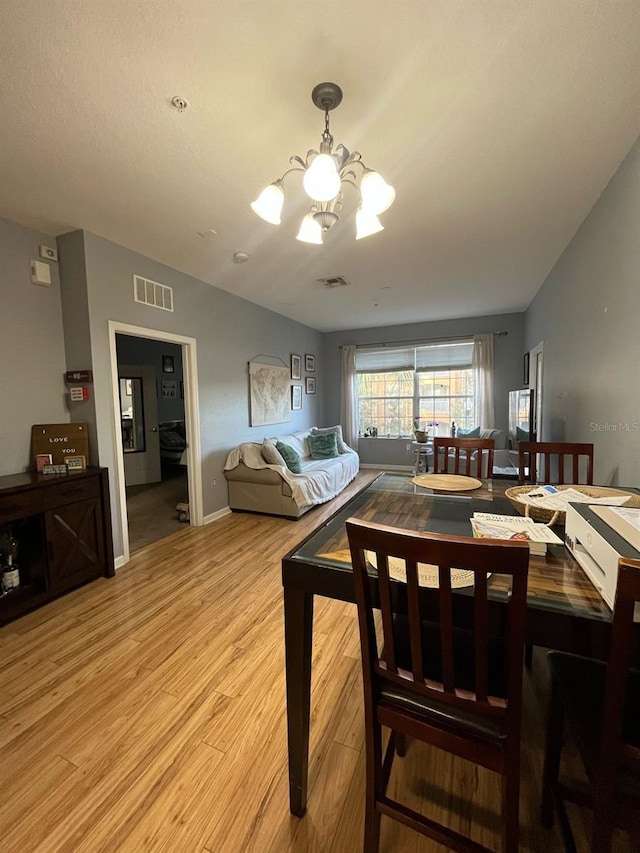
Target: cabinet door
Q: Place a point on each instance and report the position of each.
(75, 544)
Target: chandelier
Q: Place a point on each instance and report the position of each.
(325, 173)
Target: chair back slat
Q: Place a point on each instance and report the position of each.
(614, 750)
(384, 590)
(415, 633)
(481, 630)
(528, 452)
(461, 453)
(416, 605)
(446, 629)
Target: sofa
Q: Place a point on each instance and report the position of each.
(259, 481)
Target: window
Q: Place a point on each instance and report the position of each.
(432, 384)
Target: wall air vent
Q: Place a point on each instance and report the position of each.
(334, 281)
(152, 293)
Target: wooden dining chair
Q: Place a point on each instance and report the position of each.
(463, 456)
(528, 452)
(455, 685)
(600, 704)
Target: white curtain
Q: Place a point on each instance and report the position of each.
(349, 400)
(483, 380)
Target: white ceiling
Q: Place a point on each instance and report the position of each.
(499, 122)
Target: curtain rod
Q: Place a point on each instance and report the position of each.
(418, 341)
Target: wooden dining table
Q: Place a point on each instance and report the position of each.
(564, 610)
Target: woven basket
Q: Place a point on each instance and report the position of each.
(548, 516)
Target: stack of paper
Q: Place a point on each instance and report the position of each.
(488, 525)
(548, 497)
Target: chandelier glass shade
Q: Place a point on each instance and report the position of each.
(325, 174)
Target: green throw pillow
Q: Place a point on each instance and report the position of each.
(323, 446)
(290, 456)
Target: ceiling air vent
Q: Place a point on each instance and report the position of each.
(152, 293)
(334, 281)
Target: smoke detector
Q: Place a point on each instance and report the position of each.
(334, 281)
(180, 104)
(240, 257)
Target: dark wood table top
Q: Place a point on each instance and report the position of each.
(320, 563)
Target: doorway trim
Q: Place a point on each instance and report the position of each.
(536, 368)
(192, 421)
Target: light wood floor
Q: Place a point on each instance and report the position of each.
(147, 713)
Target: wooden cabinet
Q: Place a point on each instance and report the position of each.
(63, 527)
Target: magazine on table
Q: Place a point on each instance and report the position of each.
(488, 525)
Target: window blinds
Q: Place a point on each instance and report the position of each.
(442, 356)
(445, 356)
(385, 359)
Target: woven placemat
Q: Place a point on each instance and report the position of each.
(447, 482)
(427, 573)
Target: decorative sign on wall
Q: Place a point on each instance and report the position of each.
(73, 376)
(269, 394)
(60, 441)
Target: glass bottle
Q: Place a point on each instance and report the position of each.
(10, 570)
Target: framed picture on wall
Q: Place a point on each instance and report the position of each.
(167, 364)
(296, 366)
(310, 363)
(296, 397)
(310, 384)
(168, 389)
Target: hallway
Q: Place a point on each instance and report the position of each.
(151, 508)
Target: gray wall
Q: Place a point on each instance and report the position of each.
(229, 333)
(587, 313)
(98, 287)
(32, 389)
(509, 350)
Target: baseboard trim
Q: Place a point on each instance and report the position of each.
(214, 516)
(387, 467)
(119, 562)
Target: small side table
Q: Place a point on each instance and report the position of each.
(421, 451)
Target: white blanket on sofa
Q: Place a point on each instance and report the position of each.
(319, 481)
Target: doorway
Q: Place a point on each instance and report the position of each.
(153, 440)
(156, 416)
